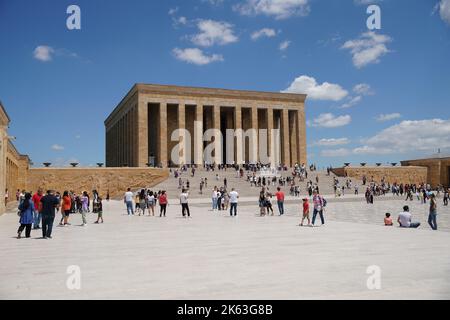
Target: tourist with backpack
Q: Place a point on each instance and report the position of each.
(26, 209)
(319, 204)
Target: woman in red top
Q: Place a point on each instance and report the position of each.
(163, 203)
(66, 206)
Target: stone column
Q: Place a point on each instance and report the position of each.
(239, 146)
(142, 140)
(217, 137)
(182, 136)
(271, 138)
(198, 135)
(163, 134)
(253, 153)
(301, 124)
(120, 142)
(285, 137)
(294, 137)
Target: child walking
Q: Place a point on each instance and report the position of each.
(305, 212)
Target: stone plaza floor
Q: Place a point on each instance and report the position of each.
(214, 256)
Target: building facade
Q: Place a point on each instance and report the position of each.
(438, 169)
(4, 122)
(13, 166)
(154, 124)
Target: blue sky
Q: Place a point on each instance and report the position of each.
(373, 96)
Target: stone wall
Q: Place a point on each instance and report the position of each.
(116, 180)
(3, 148)
(410, 174)
(438, 169)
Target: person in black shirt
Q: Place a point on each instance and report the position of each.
(49, 203)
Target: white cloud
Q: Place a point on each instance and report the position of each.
(388, 117)
(280, 9)
(366, 2)
(424, 136)
(329, 120)
(368, 48)
(371, 150)
(214, 2)
(172, 11)
(335, 153)
(352, 102)
(444, 10)
(57, 147)
(265, 32)
(182, 20)
(214, 32)
(43, 53)
(195, 56)
(332, 142)
(62, 162)
(363, 89)
(284, 45)
(78, 136)
(325, 91)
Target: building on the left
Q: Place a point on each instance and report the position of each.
(13, 165)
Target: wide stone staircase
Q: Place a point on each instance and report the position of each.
(171, 185)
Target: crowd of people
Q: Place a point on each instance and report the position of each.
(38, 211)
(41, 209)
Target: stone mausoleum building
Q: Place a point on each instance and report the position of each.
(13, 165)
(139, 130)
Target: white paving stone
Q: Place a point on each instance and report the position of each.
(213, 256)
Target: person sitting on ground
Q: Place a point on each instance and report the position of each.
(388, 220)
(404, 219)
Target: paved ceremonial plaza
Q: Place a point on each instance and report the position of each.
(214, 256)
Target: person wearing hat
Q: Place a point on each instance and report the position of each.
(305, 212)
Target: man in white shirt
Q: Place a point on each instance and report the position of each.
(128, 199)
(184, 203)
(233, 202)
(404, 219)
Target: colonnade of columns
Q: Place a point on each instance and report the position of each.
(156, 136)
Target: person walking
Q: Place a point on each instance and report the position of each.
(433, 212)
(280, 200)
(319, 203)
(262, 203)
(142, 202)
(234, 196)
(48, 206)
(184, 203)
(163, 204)
(26, 210)
(66, 206)
(128, 200)
(215, 198)
(85, 207)
(99, 210)
(36, 215)
(151, 201)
